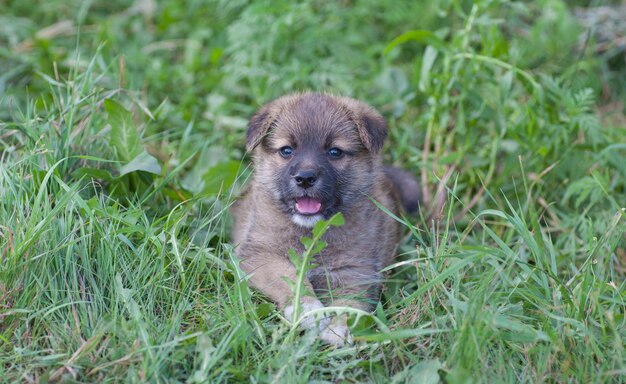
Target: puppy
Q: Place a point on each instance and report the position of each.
(315, 155)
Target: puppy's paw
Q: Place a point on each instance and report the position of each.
(337, 333)
(308, 304)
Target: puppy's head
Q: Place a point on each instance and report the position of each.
(314, 153)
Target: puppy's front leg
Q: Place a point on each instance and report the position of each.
(269, 274)
(351, 287)
(337, 331)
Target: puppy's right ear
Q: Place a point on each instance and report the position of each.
(258, 127)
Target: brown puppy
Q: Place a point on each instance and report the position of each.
(316, 155)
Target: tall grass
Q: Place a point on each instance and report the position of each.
(121, 147)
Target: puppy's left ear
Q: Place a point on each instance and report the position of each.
(370, 124)
(258, 126)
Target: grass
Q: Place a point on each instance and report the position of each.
(121, 140)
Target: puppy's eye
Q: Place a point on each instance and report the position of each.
(335, 153)
(286, 151)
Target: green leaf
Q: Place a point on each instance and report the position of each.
(142, 162)
(586, 188)
(93, 173)
(294, 256)
(220, 177)
(123, 137)
(322, 226)
(517, 331)
(419, 35)
(263, 310)
(459, 375)
(306, 241)
(425, 372)
(430, 55)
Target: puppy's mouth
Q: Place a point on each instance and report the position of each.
(306, 205)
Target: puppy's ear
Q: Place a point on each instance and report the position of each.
(258, 126)
(374, 129)
(370, 124)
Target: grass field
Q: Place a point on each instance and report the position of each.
(122, 130)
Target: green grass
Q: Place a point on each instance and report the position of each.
(121, 141)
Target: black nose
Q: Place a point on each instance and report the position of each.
(305, 179)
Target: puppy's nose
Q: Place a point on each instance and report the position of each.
(305, 179)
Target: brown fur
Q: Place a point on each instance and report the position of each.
(348, 269)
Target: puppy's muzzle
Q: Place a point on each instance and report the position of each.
(305, 178)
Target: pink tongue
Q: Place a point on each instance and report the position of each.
(308, 205)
